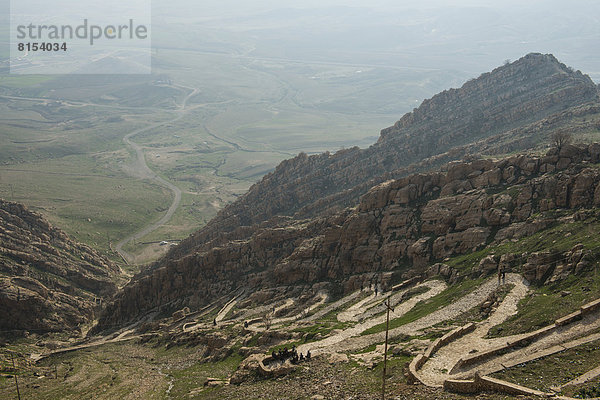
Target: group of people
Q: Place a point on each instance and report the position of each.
(375, 284)
(292, 355)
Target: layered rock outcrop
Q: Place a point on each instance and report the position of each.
(541, 266)
(400, 226)
(304, 223)
(514, 107)
(48, 282)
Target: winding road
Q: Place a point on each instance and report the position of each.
(143, 171)
(140, 168)
(338, 342)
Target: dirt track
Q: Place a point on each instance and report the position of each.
(141, 170)
(338, 342)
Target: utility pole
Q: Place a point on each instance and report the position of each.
(12, 357)
(387, 328)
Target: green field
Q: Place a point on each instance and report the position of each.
(83, 198)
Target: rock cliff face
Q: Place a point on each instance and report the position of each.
(400, 226)
(511, 108)
(47, 281)
(304, 222)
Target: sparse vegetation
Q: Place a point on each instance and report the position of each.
(251, 105)
(542, 306)
(555, 370)
(561, 138)
(428, 306)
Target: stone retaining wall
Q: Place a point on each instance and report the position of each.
(487, 384)
(269, 368)
(414, 366)
(449, 337)
(484, 355)
(460, 386)
(577, 315)
(567, 319)
(590, 307)
(421, 359)
(533, 336)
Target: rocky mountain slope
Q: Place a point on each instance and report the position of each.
(398, 230)
(291, 229)
(512, 108)
(48, 282)
(218, 316)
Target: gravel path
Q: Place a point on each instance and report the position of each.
(226, 308)
(559, 338)
(270, 311)
(338, 342)
(435, 370)
(322, 299)
(333, 306)
(355, 309)
(451, 311)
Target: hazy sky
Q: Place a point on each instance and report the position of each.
(469, 35)
(472, 36)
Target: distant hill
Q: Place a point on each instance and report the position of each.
(48, 282)
(295, 228)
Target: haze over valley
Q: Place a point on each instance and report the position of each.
(306, 200)
(267, 81)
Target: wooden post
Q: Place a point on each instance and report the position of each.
(387, 328)
(12, 357)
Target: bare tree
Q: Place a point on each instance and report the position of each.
(560, 138)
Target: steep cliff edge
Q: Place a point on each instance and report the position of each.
(488, 114)
(48, 282)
